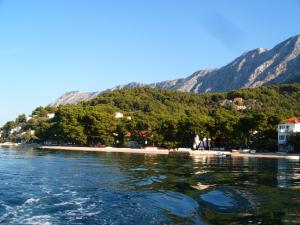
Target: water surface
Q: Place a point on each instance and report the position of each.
(56, 187)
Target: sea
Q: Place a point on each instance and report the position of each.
(64, 187)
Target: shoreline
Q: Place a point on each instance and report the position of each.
(115, 150)
(154, 151)
(9, 144)
(170, 152)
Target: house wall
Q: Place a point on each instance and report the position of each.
(297, 127)
(284, 130)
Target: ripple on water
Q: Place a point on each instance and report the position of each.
(37, 220)
(86, 188)
(151, 180)
(139, 169)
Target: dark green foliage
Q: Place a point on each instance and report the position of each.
(21, 119)
(40, 112)
(294, 140)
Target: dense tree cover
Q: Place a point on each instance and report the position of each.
(23, 128)
(294, 140)
(170, 118)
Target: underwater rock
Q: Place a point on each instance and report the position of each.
(227, 200)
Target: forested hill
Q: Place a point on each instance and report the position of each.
(244, 117)
(283, 100)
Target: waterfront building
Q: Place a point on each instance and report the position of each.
(288, 127)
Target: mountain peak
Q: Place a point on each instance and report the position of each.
(254, 68)
(254, 52)
(295, 38)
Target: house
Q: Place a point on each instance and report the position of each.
(15, 130)
(50, 115)
(289, 126)
(238, 101)
(240, 107)
(145, 133)
(118, 115)
(28, 118)
(226, 102)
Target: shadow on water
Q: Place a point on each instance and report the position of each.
(65, 187)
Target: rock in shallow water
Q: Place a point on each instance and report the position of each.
(226, 200)
(176, 203)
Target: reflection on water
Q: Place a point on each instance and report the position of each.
(41, 187)
(288, 176)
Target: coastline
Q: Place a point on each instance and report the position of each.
(170, 152)
(115, 150)
(9, 144)
(18, 145)
(154, 151)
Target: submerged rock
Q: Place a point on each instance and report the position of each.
(227, 200)
(176, 203)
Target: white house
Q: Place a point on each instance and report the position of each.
(28, 118)
(15, 130)
(118, 115)
(291, 125)
(50, 115)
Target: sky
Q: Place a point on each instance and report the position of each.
(49, 47)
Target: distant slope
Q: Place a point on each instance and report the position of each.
(255, 68)
(74, 97)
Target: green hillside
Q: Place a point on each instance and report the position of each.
(170, 118)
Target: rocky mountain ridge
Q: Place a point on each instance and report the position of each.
(254, 68)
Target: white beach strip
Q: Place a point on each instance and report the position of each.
(120, 150)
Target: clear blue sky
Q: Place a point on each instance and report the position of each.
(49, 47)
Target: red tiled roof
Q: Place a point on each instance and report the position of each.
(293, 120)
(237, 99)
(145, 133)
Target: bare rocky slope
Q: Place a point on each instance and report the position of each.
(254, 68)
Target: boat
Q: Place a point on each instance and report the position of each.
(293, 157)
(221, 154)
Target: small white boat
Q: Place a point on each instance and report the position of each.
(253, 151)
(220, 154)
(293, 157)
(246, 150)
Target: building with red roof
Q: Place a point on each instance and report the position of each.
(292, 120)
(288, 127)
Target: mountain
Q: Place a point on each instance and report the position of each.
(74, 97)
(254, 68)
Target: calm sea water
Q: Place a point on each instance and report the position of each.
(43, 187)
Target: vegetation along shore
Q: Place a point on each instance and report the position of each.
(139, 117)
